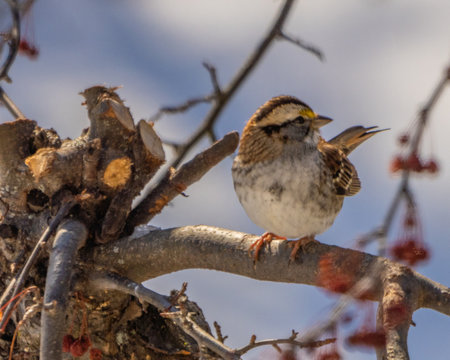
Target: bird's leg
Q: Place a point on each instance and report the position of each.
(297, 244)
(267, 237)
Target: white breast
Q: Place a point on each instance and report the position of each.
(287, 196)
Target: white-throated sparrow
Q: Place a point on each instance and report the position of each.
(289, 180)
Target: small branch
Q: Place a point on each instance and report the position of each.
(302, 345)
(174, 183)
(182, 107)
(215, 82)
(115, 282)
(220, 337)
(305, 46)
(14, 40)
(16, 284)
(9, 104)
(192, 102)
(70, 237)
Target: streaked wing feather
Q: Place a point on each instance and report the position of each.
(345, 177)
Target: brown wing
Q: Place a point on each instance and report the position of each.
(345, 177)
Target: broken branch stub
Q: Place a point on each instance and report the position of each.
(18, 140)
(131, 155)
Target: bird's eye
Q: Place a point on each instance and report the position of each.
(300, 120)
(269, 129)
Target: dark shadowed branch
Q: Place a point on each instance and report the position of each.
(71, 235)
(15, 286)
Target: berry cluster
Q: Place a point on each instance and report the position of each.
(412, 162)
(409, 247)
(79, 346)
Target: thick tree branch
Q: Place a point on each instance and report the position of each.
(71, 235)
(164, 251)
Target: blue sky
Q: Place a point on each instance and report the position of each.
(383, 58)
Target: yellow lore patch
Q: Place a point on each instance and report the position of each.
(307, 113)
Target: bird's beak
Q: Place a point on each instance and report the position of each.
(320, 121)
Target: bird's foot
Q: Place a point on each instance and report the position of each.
(267, 237)
(297, 244)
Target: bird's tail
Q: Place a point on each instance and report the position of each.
(351, 138)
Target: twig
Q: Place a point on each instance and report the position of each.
(182, 107)
(219, 332)
(302, 345)
(176, 182)
(215, 82)
(14, 40)
(9, 104)
(71, 235)
(217, 93)
(115, 282)
(305, 46)
(29, 313)
(16, 284)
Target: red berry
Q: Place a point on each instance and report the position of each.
(432, 167)
(409, 251)
(413, 163)
(67, 342)
(409, 221)
(80, 345)
(397, 164)
(95, 354)
(403, 139)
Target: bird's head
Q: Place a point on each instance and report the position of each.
(281, 122)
